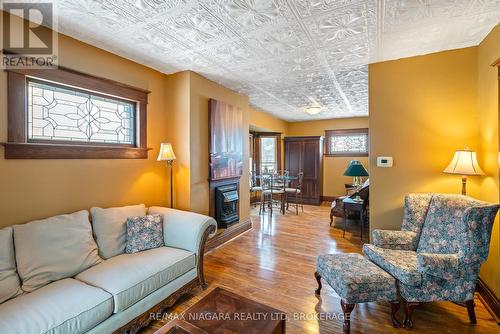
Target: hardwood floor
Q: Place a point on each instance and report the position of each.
(274, 264)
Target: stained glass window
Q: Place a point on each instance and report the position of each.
(347, 142)
(62, 113)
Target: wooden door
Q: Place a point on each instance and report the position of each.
(305, 154)
(293, 157)
(310, 167)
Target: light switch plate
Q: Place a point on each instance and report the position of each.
(384, 162)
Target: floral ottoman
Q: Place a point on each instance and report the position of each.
(356, 280)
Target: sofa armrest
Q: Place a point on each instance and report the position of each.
(403, 240)
(441, 265)
(184, 229)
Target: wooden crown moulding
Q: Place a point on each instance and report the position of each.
(19, 147)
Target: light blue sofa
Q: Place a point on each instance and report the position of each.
(116, 294)
(437, 255)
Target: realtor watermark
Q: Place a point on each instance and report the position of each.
(249, 316)
(29, 38)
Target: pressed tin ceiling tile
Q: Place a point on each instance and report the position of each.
(283, 54)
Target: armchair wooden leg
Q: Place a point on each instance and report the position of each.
(470, 309)
(409, 308)
(318, 279)
(347, 309)
(394, 310)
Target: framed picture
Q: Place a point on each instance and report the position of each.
(226, 140)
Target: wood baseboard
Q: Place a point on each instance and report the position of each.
(328, 198)
(490, 301)
(228, 234)
(309, 201)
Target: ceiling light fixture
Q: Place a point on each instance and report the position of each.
(313, 110)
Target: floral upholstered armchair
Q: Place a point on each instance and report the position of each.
(437, 255)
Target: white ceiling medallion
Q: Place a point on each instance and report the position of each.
(280, 52)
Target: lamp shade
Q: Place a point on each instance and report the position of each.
(166, 152)
(464, 162)
(355, 168)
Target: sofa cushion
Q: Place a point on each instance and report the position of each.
(143, 233)
(66, 306)
(131, 277)
(110, 227)
(10, 285)
(402, 264)
(54, 248)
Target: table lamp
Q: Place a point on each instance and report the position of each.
(464, 163)
(167, 154)
(357, 171)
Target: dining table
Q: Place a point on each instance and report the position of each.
(275, 181)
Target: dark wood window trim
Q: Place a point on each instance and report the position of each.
(18, 146)
(329, 133)
(256, 148)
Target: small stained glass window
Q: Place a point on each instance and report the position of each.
(58, 113)
(349, 142)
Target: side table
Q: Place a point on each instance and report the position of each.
(354, 205)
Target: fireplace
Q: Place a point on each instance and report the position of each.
(226, 205)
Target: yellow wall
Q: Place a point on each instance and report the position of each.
(266, 122)
(31, 189)
(177, 112)
(421, 110)
(261, 121)
(201, 91)
(177, 100)
(488, 90)
(333, 167)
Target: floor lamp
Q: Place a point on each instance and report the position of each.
(167, 154)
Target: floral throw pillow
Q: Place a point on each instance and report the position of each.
(144, 232)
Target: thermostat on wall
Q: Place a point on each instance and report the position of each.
(384, 161)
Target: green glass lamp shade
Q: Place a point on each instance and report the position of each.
(355, 168)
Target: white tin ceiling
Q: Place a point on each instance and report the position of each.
(283, 54)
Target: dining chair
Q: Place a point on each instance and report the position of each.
(269, 189)
(280, 181)
(254, 188)
(297, 191)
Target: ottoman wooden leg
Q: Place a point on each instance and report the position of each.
(409, 308)
(347, 309)
(318, 279)
(394, 310)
